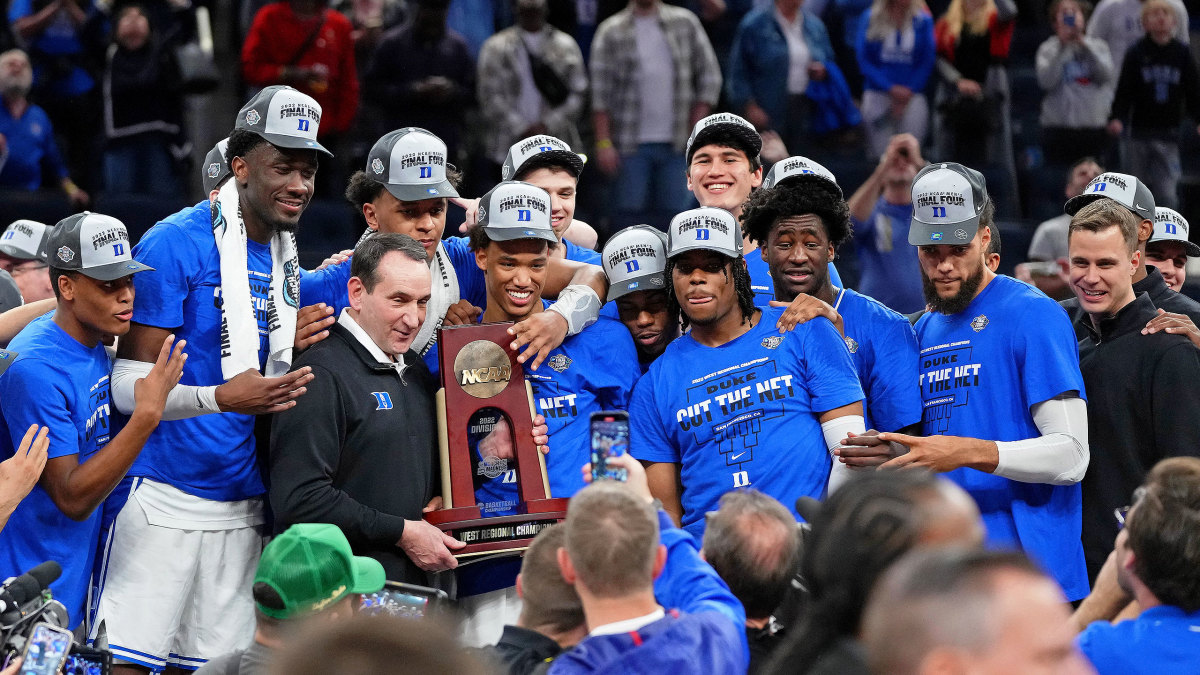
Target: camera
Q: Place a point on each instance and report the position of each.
(25, 604)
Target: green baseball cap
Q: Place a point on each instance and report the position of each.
(310, 566)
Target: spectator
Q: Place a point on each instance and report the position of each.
(1168, 248)
(753, 542)
(1009, 426)
(306, 574)
(369, 19)
(776, 52)
(1077, 74)
(1049, 243)
(614, 559)
(206, 498)
(1119, 24)
(857, 534)
(531, 81)
(701, 442)
(1159, 82)
(654, 75)
(639, 290)
(1157, 564)
(23, 254)
(969, 612)
(60, 378)
(896, 52)
(20, 473)
(478, 20)
(422, 75)
(1146, 408)
(27, 146)
(880, 210)
(143, 111)
(973, 116)
(798, 219)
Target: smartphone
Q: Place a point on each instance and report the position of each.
(1069, 20)
(46, 650)
(610, 438)
(87, 661)
(408, 601)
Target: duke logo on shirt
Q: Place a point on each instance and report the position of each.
(383, 400)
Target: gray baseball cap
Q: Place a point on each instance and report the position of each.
(724, 128)
(546, 149)
(1170, 225)
(947, 200)
(798, 167)
(285, 117)
(216, 167)
(1125, 189)
(706, 228)
(94, 245)
(411, 164)
(516, 210)
(635, 259)
(25, 240)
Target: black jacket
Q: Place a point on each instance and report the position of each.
(1143, 405)
(343, 456)
(522, 651)
(1154, 286)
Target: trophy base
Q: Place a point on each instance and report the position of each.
(511, 534)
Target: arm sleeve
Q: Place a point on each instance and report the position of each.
(648, 440)
(834, 431)
(1060, 455)
(306, 446)
(183, 402)
(327, 286)
(1049, 63)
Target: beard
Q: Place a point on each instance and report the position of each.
(957, 302)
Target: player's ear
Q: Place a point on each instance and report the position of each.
(481, 258)
(371, 216)
(565, 566)
(356, 290)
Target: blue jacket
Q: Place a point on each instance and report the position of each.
(910, 67)
(708, 631)
(758, 62)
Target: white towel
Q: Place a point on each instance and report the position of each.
(239, 327)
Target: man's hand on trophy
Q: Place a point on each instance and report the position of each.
(537, 335)
(541, 434)
(428, 547)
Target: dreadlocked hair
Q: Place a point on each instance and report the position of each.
(857, 534)
(741, 285)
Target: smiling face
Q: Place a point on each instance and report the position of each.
(1170, 257)
(423, 220)
(1101, 272)
(952, 275)
(645, 314)
(515, 273)
(797, 252)
(392, 312)
(276, 184)
(102, 308)
(703, 283)
(561, 185)
(720, 176)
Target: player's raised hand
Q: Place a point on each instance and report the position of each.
(335, 259)
(538, 334)
(803, 309)
(249, 393)
(471, 206)
(311, 324)
(151, 391)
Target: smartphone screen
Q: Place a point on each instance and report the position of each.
(610, 438)
(85, 661)
(402, 600)
(46, 650)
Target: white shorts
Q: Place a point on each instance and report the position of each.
(174, 597)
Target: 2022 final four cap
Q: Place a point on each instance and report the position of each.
(635, 259)
(538, 151)
(284, 116)
(1170, 225)
(947, 200)
(724, 128)
(706, 228)
(94, 245)
(25, 240)
(798, 167)
(516, 210)
(1123, 188)
(411, 164)
(309, 567)
(216, 167)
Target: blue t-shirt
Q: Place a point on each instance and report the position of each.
(744, 414)
(883, 347)
(1161, 640)
(580, 254)
(60, 38)
(763, 285)
(209, 456)
(891, 272)
(30, 143)
(58, 383)
(980, 372)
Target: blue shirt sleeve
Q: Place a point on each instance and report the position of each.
(36, 393)
(327, 286)
(893, 392)
(159, 295)
(873, 72)
(472, 286)
(1047, 354)
(829, 373)
(617, 369)
(648, 440)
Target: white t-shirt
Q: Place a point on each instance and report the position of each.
(798, 54)
(656, 82)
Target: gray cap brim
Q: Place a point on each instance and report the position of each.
(675, 253)
(19, 254)
(416, 193)
(942, 234)
(1074, 204)
(293, 143)
(550, 157)
(513, 234)
(656, 281)
(113, 271)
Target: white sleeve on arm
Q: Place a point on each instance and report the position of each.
(834, 431)
(1060, 455)
(183, 401)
